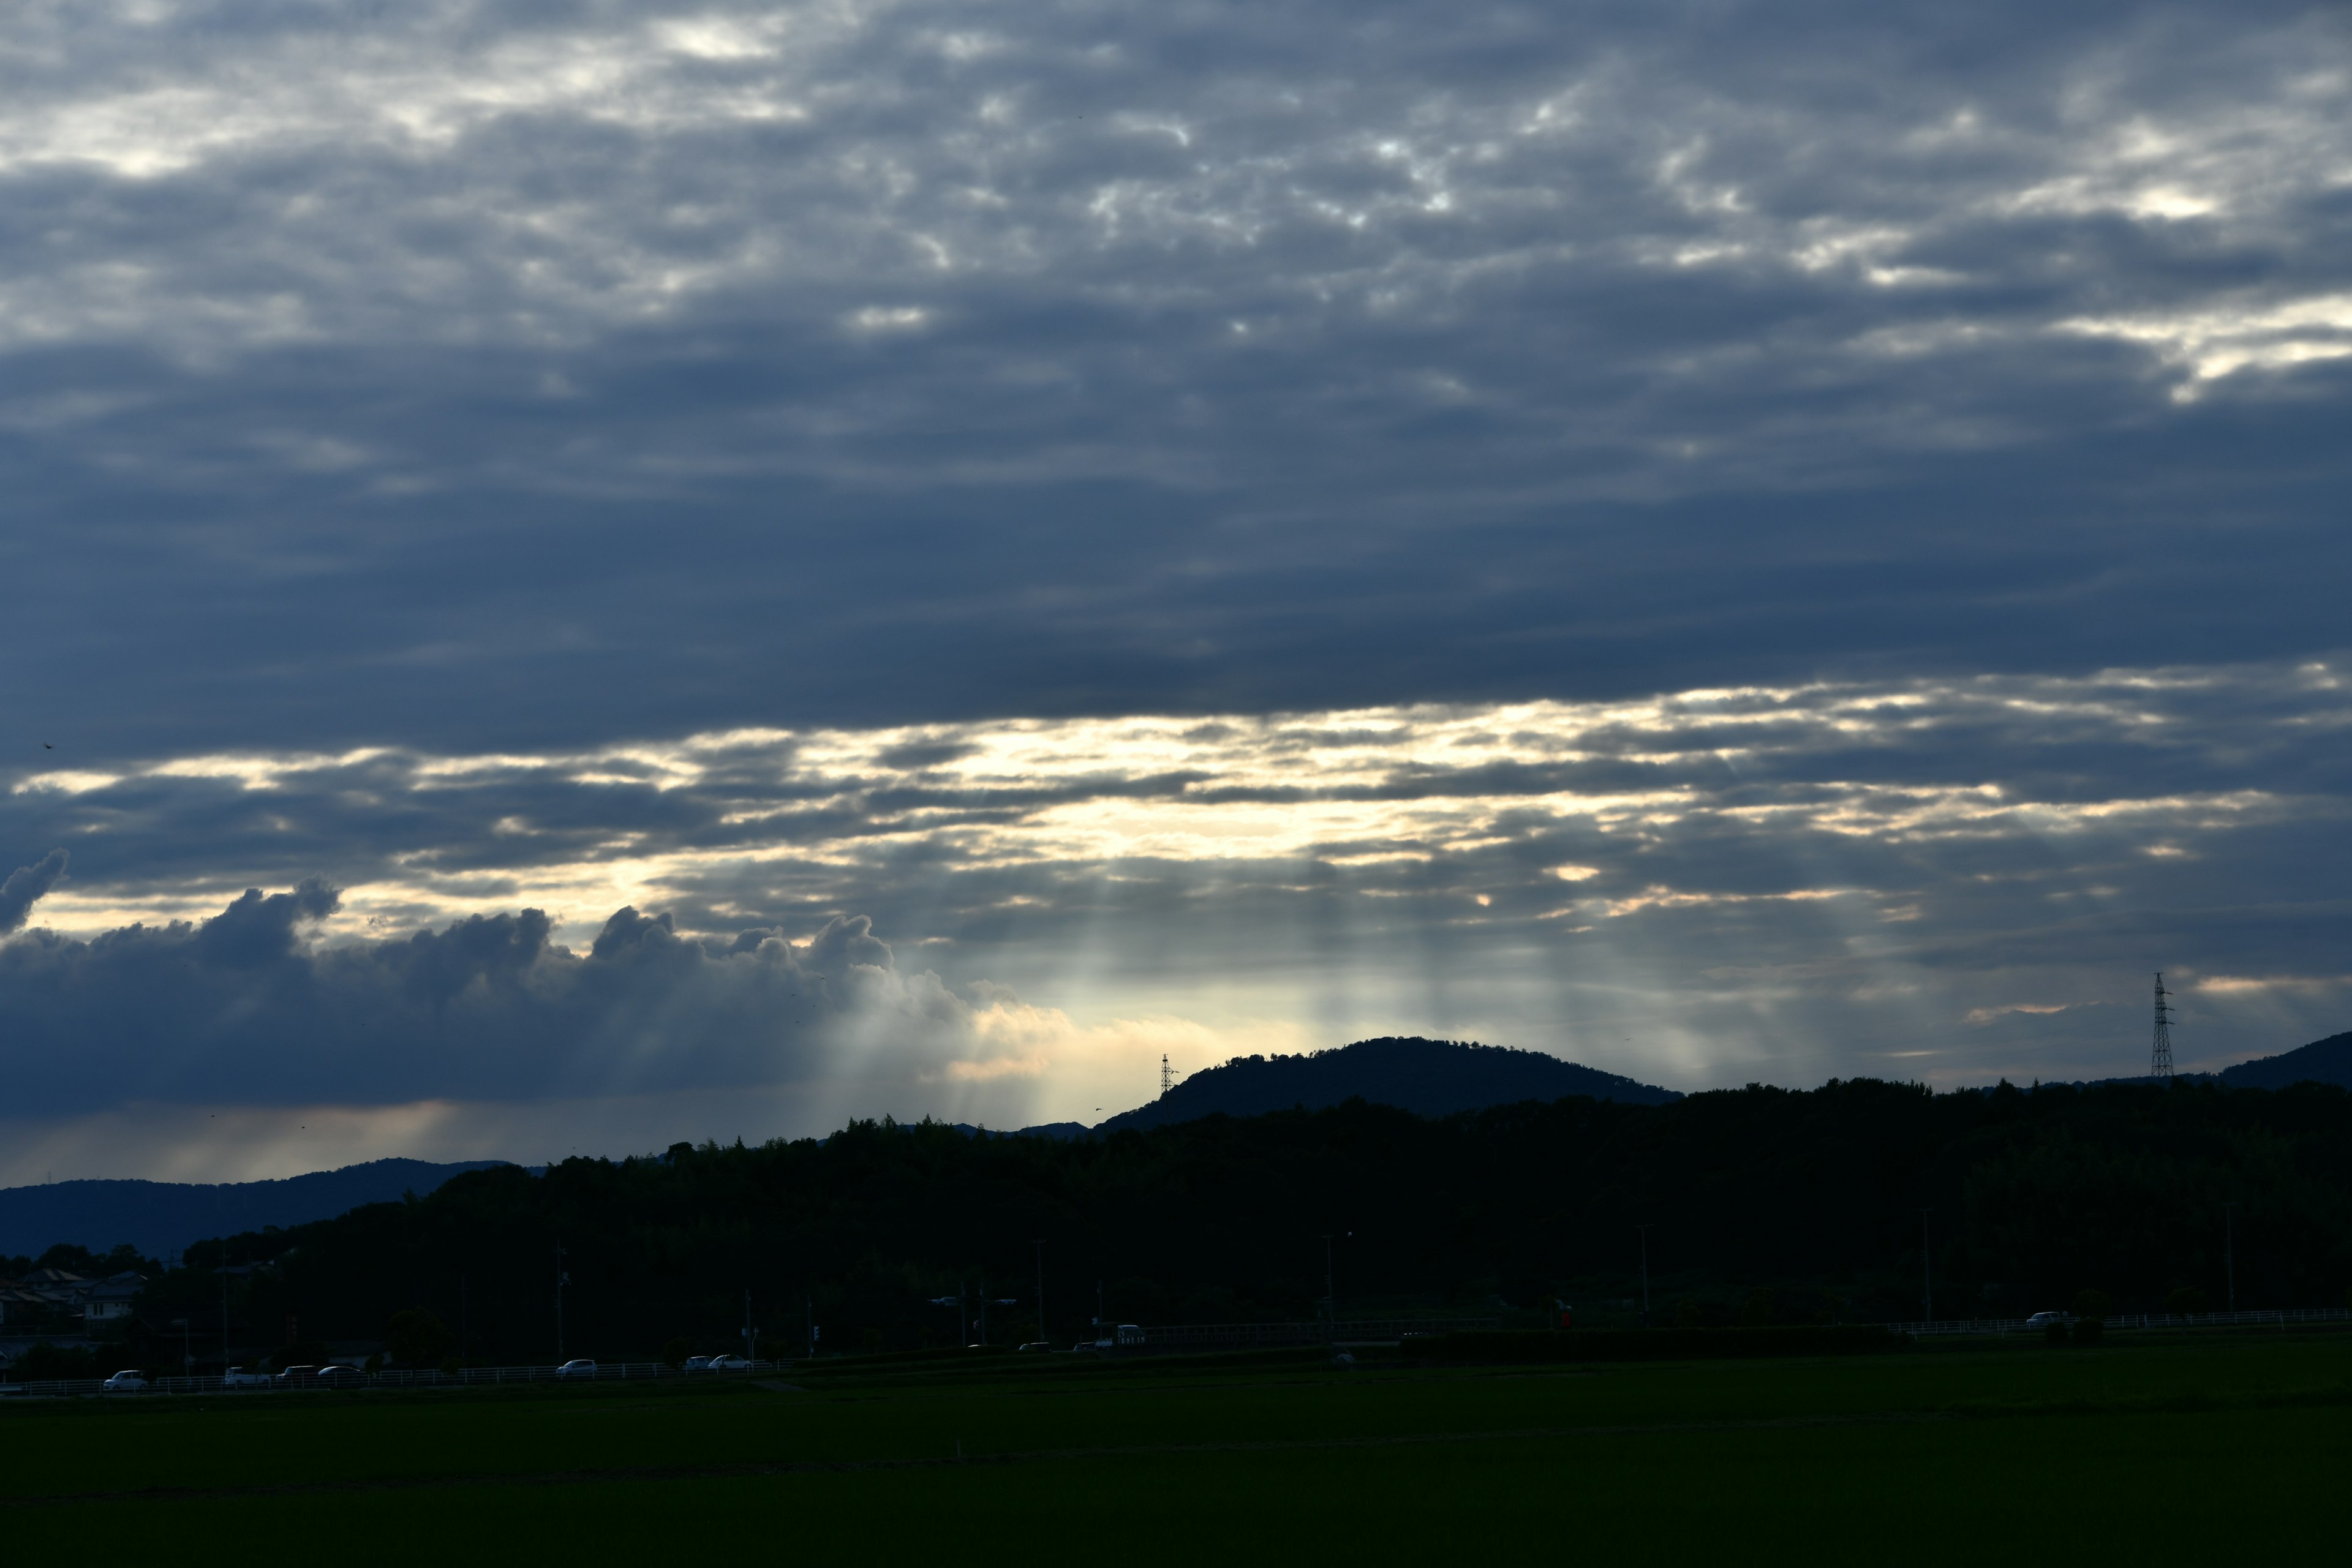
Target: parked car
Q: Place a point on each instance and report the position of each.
(576, 1369)
(698, 1364)
(241, 1377)
(729, 1364)
(1037, 1346)
(335, 1374)
(298, 1377)
(126, 1383)
(2043, 1320)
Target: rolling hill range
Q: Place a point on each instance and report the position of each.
(158, 1218)
(2322, 1062)
(1429, 1077)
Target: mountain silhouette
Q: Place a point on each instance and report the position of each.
(165, 1216)
(2322, 1062)
(1431, 1077)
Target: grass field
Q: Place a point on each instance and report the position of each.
(2160, 1449)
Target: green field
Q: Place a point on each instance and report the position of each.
(2151, 1447)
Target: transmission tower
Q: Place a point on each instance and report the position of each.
(2160, 1059)
(1167, 1078)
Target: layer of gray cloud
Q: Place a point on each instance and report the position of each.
(1951, 879)
(417, 422)
(465, 375)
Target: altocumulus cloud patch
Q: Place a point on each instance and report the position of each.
(1951, 879)
(544, 374)
(1724, 541)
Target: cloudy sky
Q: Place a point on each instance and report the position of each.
(583, 575)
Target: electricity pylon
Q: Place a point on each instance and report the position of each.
(2159, 1060)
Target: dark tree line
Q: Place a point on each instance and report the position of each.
(1806, 1201)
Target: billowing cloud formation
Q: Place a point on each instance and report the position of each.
(476, 375)
(25, 887)
(242, 1009)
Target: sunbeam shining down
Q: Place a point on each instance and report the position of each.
(591, 576)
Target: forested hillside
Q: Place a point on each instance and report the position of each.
(1813, 1195)
(2322, 1062)
(1431, 1077)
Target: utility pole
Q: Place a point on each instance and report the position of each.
(2230, 1251)
(462, 1325)
(1330, 1295)
(1644, 1231)
(2159, 1058)
(224, 1274)
(983, 1306)
(750, 1334)
(1926, 1272)
(561, 1279)
(1041, 1292)
(1167, 1078)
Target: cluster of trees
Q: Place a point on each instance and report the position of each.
(76, 1260)
(1760, 1205)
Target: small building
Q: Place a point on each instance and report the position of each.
(106, 1300)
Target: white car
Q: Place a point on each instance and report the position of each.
(2043, 1320)
(126, 1383)
(245, 1378)
(576, 1369)
(729, 1364)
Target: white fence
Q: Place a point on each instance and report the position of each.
(472, 1376)
(2278, 1318)
(1244, 1336)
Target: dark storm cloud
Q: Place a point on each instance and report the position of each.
(477, 376)
(242, 1009)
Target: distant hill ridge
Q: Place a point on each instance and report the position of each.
(165, 1216)
(2322, 1062)
(1429, 1077)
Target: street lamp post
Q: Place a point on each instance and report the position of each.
(1645, 1232)
(1330, 1290)
(561, 1279)
(1926, 1272)
(1041, 1292)
(2230, 1251)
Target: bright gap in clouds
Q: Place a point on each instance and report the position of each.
(1952, 880)
(1032, 538)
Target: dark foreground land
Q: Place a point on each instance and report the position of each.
(2150, 1449)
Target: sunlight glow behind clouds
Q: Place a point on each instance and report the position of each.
(1752, 882)
(1174, 511)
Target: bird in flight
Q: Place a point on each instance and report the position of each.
(47, 747)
